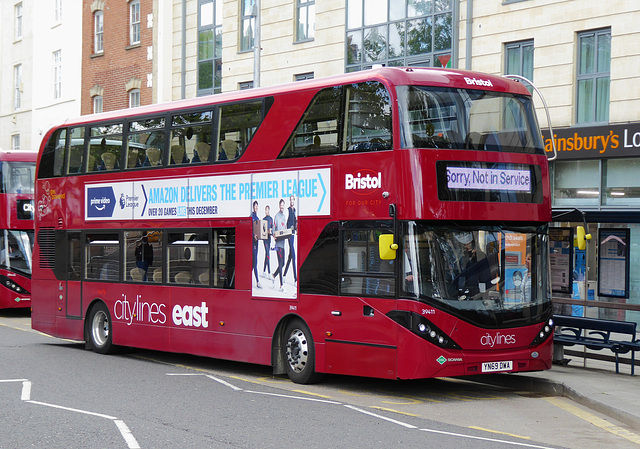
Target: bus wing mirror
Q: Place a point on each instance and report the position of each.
(581, 238)
(386, 247)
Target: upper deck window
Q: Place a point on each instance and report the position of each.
(145, 142)
(355, 117)
(105, 147)
(237, 125)
(185, 137)
(191, 137)
(433, 117)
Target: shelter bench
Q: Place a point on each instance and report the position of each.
(595, 334)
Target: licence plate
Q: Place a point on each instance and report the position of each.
(491, 367)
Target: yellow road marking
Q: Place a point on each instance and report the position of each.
(312, 394)
(501, 433)
(593, 419)
(395, 411)
(36, 332)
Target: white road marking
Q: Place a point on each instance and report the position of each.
(294, 397)
(395, 421)
(495, 440)
(26, 390)
(25, 396)
(126, 433)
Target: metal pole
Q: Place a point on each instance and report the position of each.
(467, 58)
(256, 47)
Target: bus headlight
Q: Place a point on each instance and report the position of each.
(12, 285)
(546, 330)
(423, 328)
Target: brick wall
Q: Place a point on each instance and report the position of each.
(120, 62)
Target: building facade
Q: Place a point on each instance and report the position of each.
(39, 69)
(214, 41)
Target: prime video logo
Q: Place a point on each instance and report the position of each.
(478, 82)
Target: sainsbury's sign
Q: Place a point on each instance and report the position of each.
(594, 142)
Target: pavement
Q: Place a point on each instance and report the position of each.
(592, 383)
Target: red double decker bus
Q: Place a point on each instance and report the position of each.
(16, 223)
(388, 223)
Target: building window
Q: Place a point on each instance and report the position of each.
(15, 142)
(97, 104)
(134, 98)
(209, 47)
(304, 76)
(248, 24)
(17, 25)
(519, 59)
(57, 74)
(576, 183)
(58, 11)
(98, 32)
(594, 70)
(305, 19)
(134, 20)
(399, 33)
(17, 86)
(620, 182)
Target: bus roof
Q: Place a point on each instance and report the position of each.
(387, 75)
(18, 156)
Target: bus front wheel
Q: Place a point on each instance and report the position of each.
(99, 333)
(299, 353)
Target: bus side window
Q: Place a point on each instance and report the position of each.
(190, 137)
(105, 147)
(52, 160)
(188, 255)
(368, 114)
(145, 143)
(76, 151)
(237, 125)
(102, 256)
(223, 261)
(318, 131)
(363, 272)
(74, 261)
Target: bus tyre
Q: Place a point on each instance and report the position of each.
(299, 353)
(99, 330)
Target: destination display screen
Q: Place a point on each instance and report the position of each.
(481, 181)
(24, 209)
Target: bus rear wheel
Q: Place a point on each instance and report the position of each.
(99, 333)
(299, 353)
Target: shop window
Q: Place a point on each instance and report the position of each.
(576, 183)
(621, 184)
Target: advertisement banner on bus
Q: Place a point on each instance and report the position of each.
(222, 196)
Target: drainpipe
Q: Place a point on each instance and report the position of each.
(467, 57)
(256, 47)
(183, 68)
